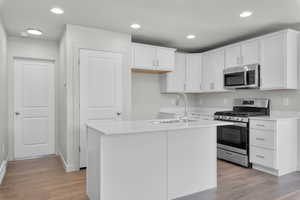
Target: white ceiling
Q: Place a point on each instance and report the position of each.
(166, 22)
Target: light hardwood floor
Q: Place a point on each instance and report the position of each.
(42, 179)
(45, 179)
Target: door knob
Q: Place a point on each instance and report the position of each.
(17, 113)
(118, 113)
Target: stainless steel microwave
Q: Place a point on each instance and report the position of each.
(247, 76)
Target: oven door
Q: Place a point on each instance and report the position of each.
(233, 138)
(235, 80)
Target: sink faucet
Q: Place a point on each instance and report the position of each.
(186, 104)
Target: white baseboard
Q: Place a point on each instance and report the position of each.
(3, 170)
(67, 167)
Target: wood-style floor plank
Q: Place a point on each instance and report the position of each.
(42, 179)
(45, 179)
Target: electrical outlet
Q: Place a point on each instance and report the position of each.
(3, 149)
(286, 101)
(225, 101)
(201, 102)
(173, 102)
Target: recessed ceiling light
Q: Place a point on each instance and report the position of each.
(34, 31)
(190, 36)
(135, 26)
(57, 10)
(24, 34)
(246, 14)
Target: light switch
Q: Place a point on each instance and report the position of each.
(200, 101)
(285, 101)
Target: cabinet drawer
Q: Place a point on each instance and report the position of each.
(262, 157)
(261, 124)
(263, 138)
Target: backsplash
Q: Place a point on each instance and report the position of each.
(285, 100)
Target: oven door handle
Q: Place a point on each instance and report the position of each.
(244, 125)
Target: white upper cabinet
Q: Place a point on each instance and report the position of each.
(148, 57)
(187, 74)
(250, 52)
(243, 53)
(193, 72)
(277, 54)
(175, 81)
(233, 56)
(212, 70)
(165, 58)
(144, 56)
(279, 60)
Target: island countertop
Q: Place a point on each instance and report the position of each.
(145, 126)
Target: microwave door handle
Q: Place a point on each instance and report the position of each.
(245, 78)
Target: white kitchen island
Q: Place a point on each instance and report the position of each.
(147, 160)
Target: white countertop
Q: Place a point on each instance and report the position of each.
(276, 117)
(208, 111)
(144, 126)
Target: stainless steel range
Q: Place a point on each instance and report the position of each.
(233, 140)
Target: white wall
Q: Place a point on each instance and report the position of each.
(147, 99)
(61, 100)
(77, 38)
(25, 48)
(3, 96)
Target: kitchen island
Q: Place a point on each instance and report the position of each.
(151, 160)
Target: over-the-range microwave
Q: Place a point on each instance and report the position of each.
(247, 76)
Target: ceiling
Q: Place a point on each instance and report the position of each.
(164, 22)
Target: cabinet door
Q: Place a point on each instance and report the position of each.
(207, 71)
(212, 70)
(218, 62)
(143, 56)
(250, 52)
(193, 72)
(272, 65)
(165, 59)
(233, 54)
(176, 79)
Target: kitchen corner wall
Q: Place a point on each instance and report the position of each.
(3, 96)
(147, 99)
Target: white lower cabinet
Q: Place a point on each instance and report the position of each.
(274, 146)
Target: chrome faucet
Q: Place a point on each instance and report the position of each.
(186, 105)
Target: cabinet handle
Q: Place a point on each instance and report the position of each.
(259, 156)
(260, 125)
(260, 139)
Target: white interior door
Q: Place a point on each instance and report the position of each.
(100, 91)
(34, 108)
